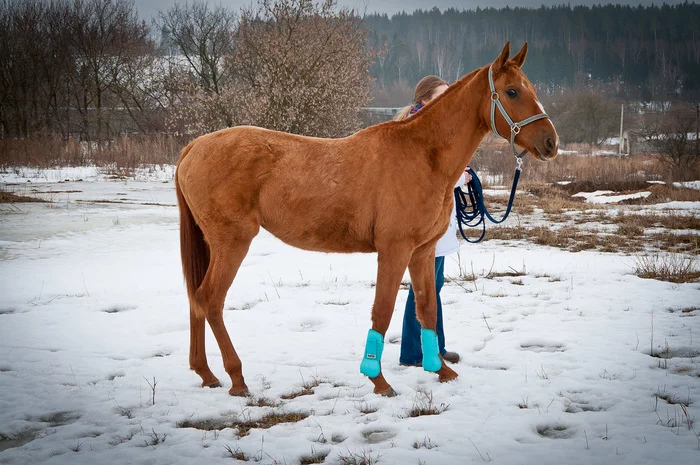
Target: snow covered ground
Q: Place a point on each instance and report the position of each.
(606, 197)
(555, 369)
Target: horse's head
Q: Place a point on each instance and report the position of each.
(514, 98)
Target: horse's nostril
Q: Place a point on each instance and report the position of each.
(549, 144)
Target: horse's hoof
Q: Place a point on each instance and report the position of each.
(447, 374)
(215, 384)
(388, 392)
(239, 393)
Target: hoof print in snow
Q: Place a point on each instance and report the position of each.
(681, 352)
(337, 438)
(336, 302)
(115, 375)
(18, 439)
(160, 354)
(585, 401)
(119, 308)
(680, 370)
(578, 407)
(308, 324)
(555, 431)
(491, 367)
(58, 418)
(542, 347)
(377, 435)
(243, 306)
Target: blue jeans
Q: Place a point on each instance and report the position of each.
(411, 353)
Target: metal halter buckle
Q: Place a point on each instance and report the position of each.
(495, 97)
(515, 129)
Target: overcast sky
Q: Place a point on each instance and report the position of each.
(148, 8)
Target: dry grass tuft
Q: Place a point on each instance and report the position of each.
(10, 197)
(662, 193)
(673, 399)
(262, 401)
(426, 443)
(314, 457)
(243, 427)
(671, 267)
(668, 220)
(358, 458)
(424, 404)
(307, 388)
(236, 453)
(124, 154)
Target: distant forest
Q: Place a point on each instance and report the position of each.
(93, 70)
(636, 52)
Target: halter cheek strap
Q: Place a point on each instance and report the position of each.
(514, 127)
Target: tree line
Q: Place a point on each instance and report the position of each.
(92, 69)
(640, 52)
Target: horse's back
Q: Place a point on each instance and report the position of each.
(331, 195)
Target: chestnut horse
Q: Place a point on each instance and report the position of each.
(343, 195)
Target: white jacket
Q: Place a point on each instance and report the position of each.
(448, 244)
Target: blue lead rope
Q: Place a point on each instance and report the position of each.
(472, 212)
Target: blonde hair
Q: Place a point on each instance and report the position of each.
(424, 91)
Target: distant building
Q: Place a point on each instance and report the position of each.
(375, 115)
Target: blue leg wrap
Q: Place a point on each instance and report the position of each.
(429, 344)
(371, 362)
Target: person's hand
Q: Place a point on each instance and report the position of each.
(467, 176)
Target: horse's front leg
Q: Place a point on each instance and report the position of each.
(422, 270)
(391, 267)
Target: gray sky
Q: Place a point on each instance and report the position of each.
(148, 8)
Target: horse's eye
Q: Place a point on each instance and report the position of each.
(512, 93)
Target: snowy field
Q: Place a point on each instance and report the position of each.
(556, 365)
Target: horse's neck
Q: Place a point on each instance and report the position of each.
(454, 124)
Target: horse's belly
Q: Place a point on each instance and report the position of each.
(334, 237)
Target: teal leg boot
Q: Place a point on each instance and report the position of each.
(371, 362)
(431, 352)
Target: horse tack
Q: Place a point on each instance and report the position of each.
(514, 127)
(232, 182)
(478, 213)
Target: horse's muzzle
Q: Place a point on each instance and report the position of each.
(549, 150)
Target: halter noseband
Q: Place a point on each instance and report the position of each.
(514, 127)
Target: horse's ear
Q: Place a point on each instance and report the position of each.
(519, 58)
(502, 58)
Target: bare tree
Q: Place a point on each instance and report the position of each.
(203, 35)
(106, 36)
(21, 41)
(302, 66)
(583, 115)
(671, 134)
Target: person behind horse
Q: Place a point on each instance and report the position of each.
(427, 89)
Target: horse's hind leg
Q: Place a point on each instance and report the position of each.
(390, 268)
(198, 356)
(225, 259)
(422, 270)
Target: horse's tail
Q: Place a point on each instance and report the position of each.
(193, 249)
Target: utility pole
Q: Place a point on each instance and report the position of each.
(697, 126)
(622, 141)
